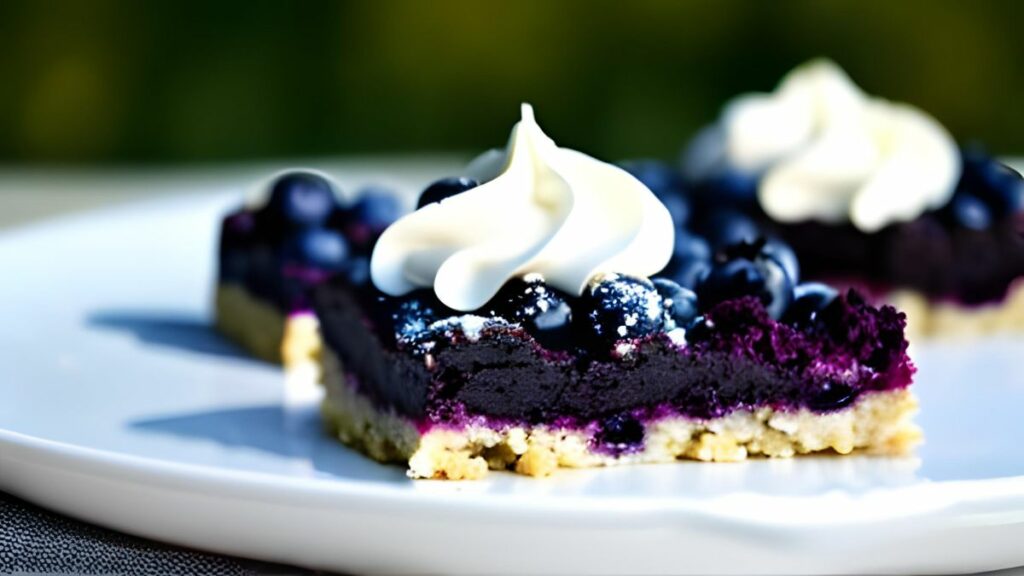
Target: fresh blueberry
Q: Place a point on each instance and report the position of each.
(620, 433)
(730, 187)
(969, 211)
(680, 303)
(413, 314)
(748, 270)
(809, 299)
(729, 280)
(376, 208)
(690, 259)
(445, 188)
(832, 396)
(1000, 186)
(541, 310)
(302, 199)
(661, 178)
(621, 307)
(727, 227)
(357, 271)
(784, 255)
(698, 330)
(319, 248)
(666, 183)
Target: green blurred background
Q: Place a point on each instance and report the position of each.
(121, 81)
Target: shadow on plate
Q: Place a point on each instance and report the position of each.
(292, 433)
(180, 331)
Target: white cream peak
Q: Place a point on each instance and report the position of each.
(827, 151)
(549, 210)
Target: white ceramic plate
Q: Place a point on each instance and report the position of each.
(118, 405)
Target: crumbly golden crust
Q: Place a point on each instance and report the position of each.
(878, 423)
(950, 320)
(262, 329)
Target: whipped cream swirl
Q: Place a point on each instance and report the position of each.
(827, 151)
(549, 210)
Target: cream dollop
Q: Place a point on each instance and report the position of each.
(549, 210)
(825, 150)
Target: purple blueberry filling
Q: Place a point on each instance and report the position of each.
(970, 251)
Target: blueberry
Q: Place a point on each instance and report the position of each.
(357, 271)
(784, 255)
(620, 433)
(541, 310)
(748, 270)
(691, 257)
(731, 187)
(302, 199)
(445, 188)
(698, 330)
(726, 227)
(680, 303)
(969, 211)
(661, 178)
(621, 307)
(832, 396)
(319, 248)
(729, 280)
(666, 183)
(1000, 186)
(809, 299)
(376, 208)
(413, 314)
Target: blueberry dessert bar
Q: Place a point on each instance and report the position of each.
(522, 319)
(873, 194)
(294, 234)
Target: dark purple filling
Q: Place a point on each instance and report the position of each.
(926, 254)
(739, 357)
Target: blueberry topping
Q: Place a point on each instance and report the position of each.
(731, 187)
(445, 188)
(680, 303)
(969, 211)
(747, 270)
(995, 183)
(621, 307)
(809, 299)
(666, 183)
(832, 396)
(319, 248)
(376, 208)
(620, 433)
(302, 199)
(413, 315)
(541, 310)
(357, 271)
(727, 227)
(691, 258)
(661, 178)
(785, 256)
(698, 330)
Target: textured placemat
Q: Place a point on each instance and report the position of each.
(37, 541)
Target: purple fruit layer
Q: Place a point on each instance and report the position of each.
(738, 358)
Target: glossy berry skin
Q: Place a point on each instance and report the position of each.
(747, 270)
(809, 299)
(680, 303)
(691, 258)
(376, 208)
(445, 188)
(620, 433)
(618, 307)
(998, 185)
(730, 187)
(541, 310)
(969, 211)
(666, 183)
(727, 227)
(785, 256)
(319, 248)
(301, 199)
